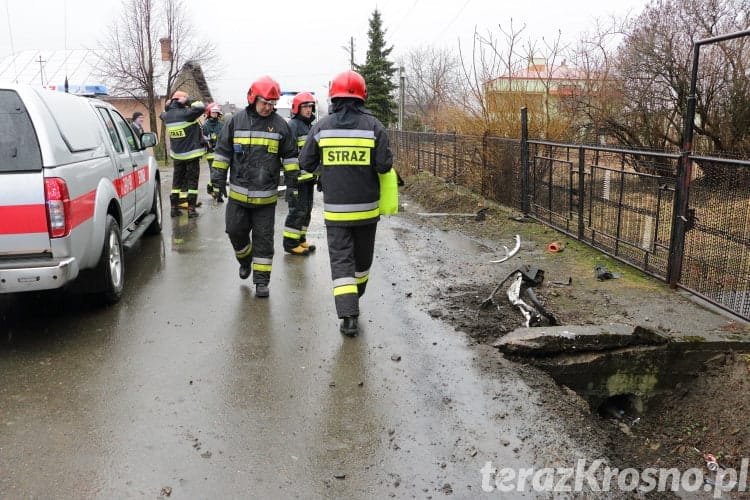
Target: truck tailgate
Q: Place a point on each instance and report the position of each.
(23, 214)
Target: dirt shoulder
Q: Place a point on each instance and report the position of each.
(708, 413)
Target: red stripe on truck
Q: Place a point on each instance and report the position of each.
(127, 183)
(20, 219)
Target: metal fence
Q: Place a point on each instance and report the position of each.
(619, 201)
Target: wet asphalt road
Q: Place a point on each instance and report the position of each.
(194, 387)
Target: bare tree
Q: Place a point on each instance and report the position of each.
(433, 83)
(489, 59)
(653, 75)
(505, 74)
(133, 62)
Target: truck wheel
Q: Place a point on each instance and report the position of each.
(155, 227)
(111, 268)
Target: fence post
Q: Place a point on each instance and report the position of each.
(434, 155)
(525, 194)
(679, 220)
(581, 190)
(455, 159)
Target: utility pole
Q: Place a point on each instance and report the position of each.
(350, 49)
(402, 79)
(351, 53)
(41, 69)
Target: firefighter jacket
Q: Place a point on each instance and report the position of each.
(184, 130)
(351, 148)
(299, 127)
(253, 148)
(211, 129)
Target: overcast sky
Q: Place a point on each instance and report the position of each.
(303, 44)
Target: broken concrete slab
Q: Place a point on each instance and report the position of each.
(555, 340)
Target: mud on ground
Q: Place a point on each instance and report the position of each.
(709, 413)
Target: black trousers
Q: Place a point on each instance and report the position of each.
(185, 182)
(350, 250)
(250, 230)
(298, 218)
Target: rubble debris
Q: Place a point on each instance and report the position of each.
(555, 340)
(562, 283)
(602, 273)
(556, 247)
(509, 253)
(479, 216)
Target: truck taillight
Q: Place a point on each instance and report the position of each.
(58, 207)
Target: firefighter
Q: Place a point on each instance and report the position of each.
(351, 147)
(211, 129)
(186, 149)
(254, 146)
(299, 183)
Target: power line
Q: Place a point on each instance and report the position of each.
(10, 37)
(404, 17)
(453, 19)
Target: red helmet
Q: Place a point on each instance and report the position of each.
(348, 84)
(213, 108)
(301, 98)
(265, 87)
(179, 94)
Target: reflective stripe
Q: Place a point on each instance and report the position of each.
(221, 158)
(245, 252)
(343, 286)
(195, 153)
(301, 141)
(290, 164)
(353, 207)
(257, 133)
(292, 233)
(351, 216)
(270, 140)
(253, 197)
(304, 176)
(362, 276)
(346, 289)
(252, 194)
(220, 164)
(353, 212)
(360, 142)
(257, 141)
(340, 132)
(261, 264)
(192, 191)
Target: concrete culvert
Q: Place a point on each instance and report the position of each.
(620, 406)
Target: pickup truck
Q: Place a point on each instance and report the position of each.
(77, 188)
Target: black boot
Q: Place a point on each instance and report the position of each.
(244, 271)
(349, 326)
(175, 212)
(261, 290)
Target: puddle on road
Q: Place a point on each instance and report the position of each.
(453, 242)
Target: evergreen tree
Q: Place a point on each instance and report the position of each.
(378, 73)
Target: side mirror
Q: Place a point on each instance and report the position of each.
(149, 139)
